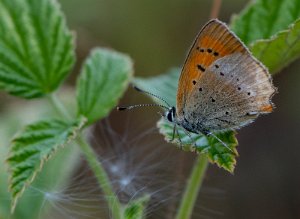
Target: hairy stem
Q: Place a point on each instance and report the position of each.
(102, 178)
(192, 188)
(96, 166)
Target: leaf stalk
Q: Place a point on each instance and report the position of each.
(114, 204)
(192, 188)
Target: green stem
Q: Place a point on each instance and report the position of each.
(96, 166)
(102, 178)
(192, 188)
(59, 107)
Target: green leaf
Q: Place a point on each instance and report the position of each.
(165, 84)
(33, 202)
(166, 87)
(279, 51)
(264, 18)
(33, 147)
(271, 30)
(136, 208)
(36, 48)
(104, 78)
(199, 143)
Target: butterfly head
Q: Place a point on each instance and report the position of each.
(170, 114)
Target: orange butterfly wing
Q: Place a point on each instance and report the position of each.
(213, 42)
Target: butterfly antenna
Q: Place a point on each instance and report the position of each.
(122, 108)
(151, 94)
(222, 142)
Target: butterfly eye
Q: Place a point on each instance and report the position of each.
(170, 116)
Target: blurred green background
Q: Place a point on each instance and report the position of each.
(157, 35)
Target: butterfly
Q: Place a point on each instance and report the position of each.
(222, 86)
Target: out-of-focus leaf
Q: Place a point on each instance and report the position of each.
(33, 147)
(136, 208)
(35, 202)
(36, 48)
(271, 29)
(262, 19)
(104, 77)
(279, 51)
(165, 84)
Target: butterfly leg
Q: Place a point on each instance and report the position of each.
(180, 142)
(175, 130)
(173, 135)
(193, 142)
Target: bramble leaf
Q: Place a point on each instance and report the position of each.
(104, 78)
(262, 19)
(33, 147)
(32, 203)
(36, 48)
(166, 85)
(271, 30)
(279, 51)
(208, 145)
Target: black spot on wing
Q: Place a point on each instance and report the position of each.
(215, 53)
(201, 68)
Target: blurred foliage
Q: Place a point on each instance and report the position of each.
(35, 145)
(135, 209)
(34, 202)
(271, 29)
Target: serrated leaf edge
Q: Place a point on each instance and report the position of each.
(191, 148)
(123, 86)
(83, 120)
